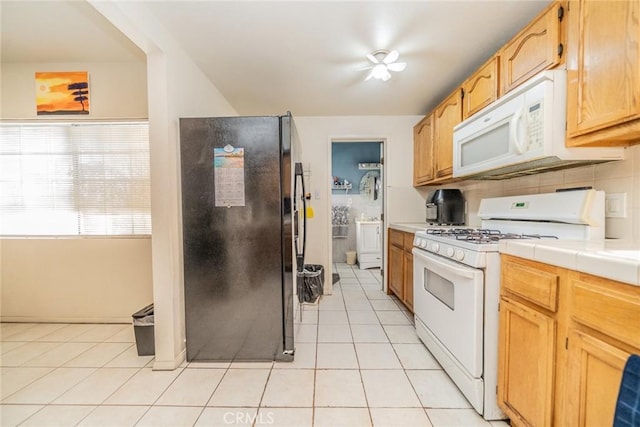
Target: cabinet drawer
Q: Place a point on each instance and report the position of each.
(532, 281)
(609, 307)
(369, 258)
(396, 238)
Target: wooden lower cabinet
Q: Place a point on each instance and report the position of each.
(560, 364)
(596, 370)
(408, 280)
(525, 381)
(396, 270)
(603, 331)
(400, 266)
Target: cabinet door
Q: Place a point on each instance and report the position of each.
(369, 239)
(595, 371)
(423, 151)
(534, 49)
(396, 271)
(408, 280)
(396, 237)
(603, 71)
(526, 355)
(447, 115)
(481, 88)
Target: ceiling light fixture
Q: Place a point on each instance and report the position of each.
(384, 61)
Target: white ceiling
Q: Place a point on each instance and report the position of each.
(267, 57)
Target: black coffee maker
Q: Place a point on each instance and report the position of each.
(445, 207)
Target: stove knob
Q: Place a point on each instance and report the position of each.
(450, 252)
(459, 254)
(423, 243)
(435, 247)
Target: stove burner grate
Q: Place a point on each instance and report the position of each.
(493, 236)
(450, 231)
(481, 235)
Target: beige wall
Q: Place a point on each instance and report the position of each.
(74, 280)
(403, 203)
(117, 89)
(195, 96)
(613, 177)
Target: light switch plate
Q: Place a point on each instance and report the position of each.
(615, 205)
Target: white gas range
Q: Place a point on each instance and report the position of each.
(456, 274)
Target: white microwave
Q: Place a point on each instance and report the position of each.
(521, 133)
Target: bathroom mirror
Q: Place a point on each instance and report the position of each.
(370, 185)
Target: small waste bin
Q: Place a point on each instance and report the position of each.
(310, 283)
(351, 257)
(143, 329)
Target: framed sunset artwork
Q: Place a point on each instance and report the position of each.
(62, 92)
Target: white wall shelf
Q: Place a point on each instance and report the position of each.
(341, 187)
(368, 166)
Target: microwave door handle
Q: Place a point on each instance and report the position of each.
(516, 138)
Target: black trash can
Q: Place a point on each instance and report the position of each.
(143, 322)
(310, 283)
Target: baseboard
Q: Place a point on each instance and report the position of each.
(62, 319)
(170, 365)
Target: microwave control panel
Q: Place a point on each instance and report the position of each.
(535, 126)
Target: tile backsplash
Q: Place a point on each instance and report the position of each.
(612, 177)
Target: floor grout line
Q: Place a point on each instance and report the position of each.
(355, 291)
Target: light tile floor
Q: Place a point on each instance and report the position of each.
(358, 363)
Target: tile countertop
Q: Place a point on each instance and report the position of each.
(410, 227)
(613, 259)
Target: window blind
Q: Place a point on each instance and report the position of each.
(67, 179)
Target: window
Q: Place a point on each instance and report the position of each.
(74, 179)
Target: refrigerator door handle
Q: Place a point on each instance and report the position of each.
(304, 221)
(300, 251)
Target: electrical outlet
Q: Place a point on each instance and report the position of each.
(317, 194)
(615, 205)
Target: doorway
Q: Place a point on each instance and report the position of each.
(357, 203)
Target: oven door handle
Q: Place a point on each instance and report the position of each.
(443, 263)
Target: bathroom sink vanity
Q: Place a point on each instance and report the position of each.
(369, 243)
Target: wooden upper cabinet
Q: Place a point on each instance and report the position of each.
(603, 72)
(536, 48)
(481, 89)
(447, 115)
(423, 151)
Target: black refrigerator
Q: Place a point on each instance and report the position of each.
(243, 236)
